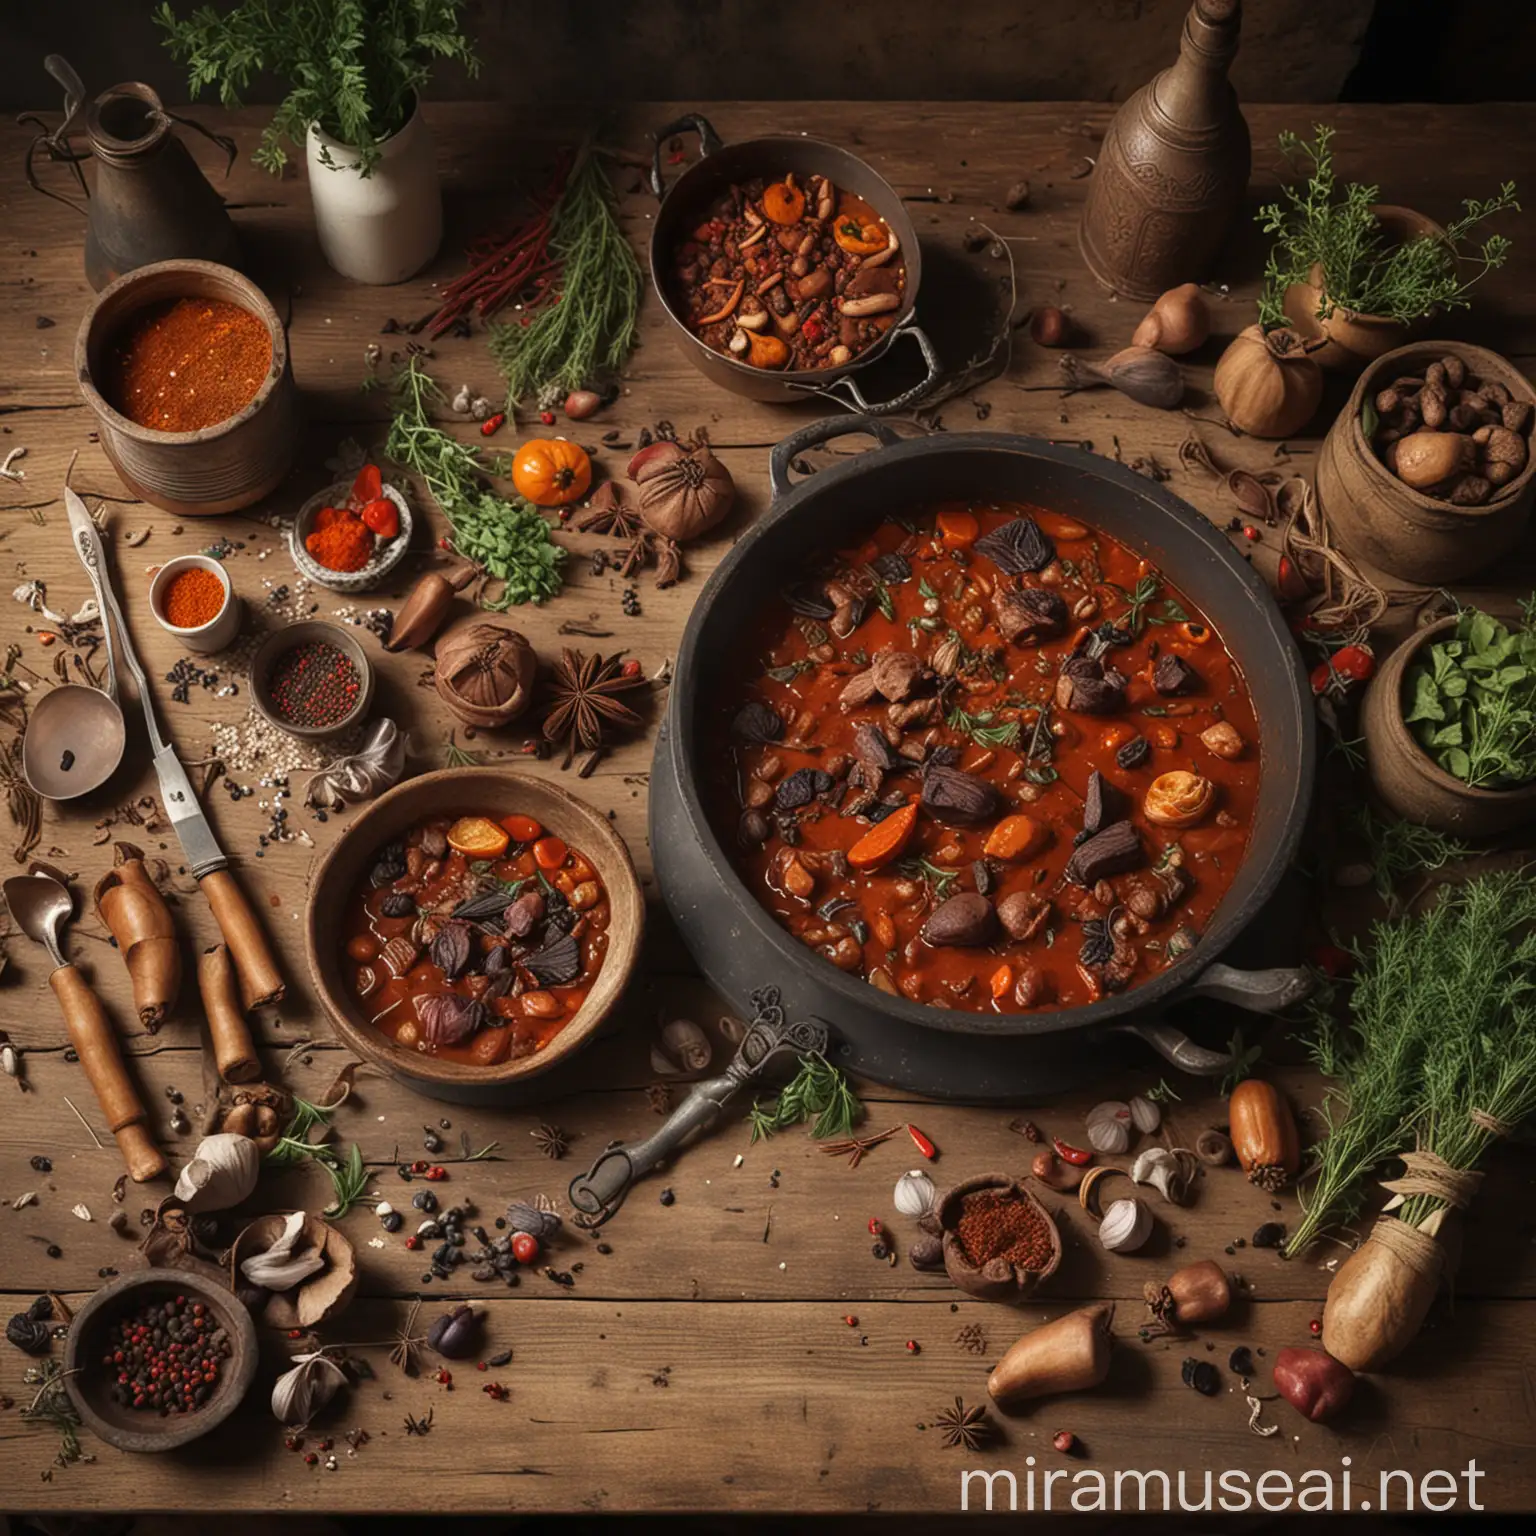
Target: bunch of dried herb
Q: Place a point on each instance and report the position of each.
(509, 538)
(818, 1092)
(298, 1144)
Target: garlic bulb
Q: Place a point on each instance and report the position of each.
(1161, 1169)
(1145, 1115)
(1109, 1127)
(223, 1172)
(484, 671)
(915, 1193)
(278, 1268)
(1126, 1226)
(298, 1395)
(683, 1048)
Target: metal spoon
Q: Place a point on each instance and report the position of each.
(41, 907)
(76, 734)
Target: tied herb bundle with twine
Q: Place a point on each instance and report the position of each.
(1436, 1063)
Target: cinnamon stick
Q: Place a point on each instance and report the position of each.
(130, 904)
(95, 1042)
(234, 1052)
(260, 981)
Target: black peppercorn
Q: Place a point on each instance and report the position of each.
(666, 1197)
(392, 1221)
(1240, 1362)
(1202, 1376)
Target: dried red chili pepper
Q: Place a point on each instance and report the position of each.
(1070, 1154)
(922, 1143)
(494, 423)
(368, 486)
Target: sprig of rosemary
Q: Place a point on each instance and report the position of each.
(583, 328)
(508, 537)
(1401, 848)
(984, 728)
(1140, 598)
(819, 1092)
(940, 879)
(347, 1172)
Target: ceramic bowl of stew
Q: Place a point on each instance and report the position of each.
(422, 950)
(710, 196)
(915, 1008)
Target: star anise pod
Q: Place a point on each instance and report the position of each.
(552, 1141)
(610, 512)
(585, 701)
(968, 1427)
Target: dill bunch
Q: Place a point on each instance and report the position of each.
(1319, 223)
(1441, 1021)
(584, 326)
(510, 538)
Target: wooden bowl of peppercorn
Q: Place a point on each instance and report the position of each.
(312, 680)
(94, 1378)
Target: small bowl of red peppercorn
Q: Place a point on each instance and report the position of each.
(351, 535)
(312, 680)
(156, 1359)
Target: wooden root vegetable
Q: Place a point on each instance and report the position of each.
(1198, 1293)
(1381, 1294)
(1178, 322)
(130, 904)
(1267, 382)
(234, 1052)
(1264, 1134)
(1069, 1355)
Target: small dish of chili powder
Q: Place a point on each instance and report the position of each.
(311, 680)
(194, 600)
(351, 535)
(185, 364)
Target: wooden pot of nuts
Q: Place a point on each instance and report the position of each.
(1427, 473)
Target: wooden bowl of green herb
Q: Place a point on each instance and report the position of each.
(1450, 725)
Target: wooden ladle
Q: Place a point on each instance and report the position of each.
(41, 906)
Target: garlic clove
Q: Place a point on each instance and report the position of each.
(915, 1193)
(1126, 1226)
(1109, 1127)
(1161, 1169)
(222, 1172)
(299, 1394)
(1145, 1115)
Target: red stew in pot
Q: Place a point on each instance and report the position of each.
(475, 940)
(989, 760)
(784, 276)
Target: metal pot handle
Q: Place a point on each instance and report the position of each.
(1176, 1048)
(709, 143)
(846, 392)
(783, 453)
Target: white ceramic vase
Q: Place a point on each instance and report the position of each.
(386, 226)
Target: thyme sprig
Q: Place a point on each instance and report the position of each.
(508, 537)
(347, 1172)
(984, 728)
(1319, 223)
(818, 1092)
(583, 327)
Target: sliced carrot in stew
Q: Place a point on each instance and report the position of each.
(478, 837)
(885, 840)
(522, 829)
(1002, 979)
(957, 530)
(549, 853)
(1016, 837)
(1065, 528)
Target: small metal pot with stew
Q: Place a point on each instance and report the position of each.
(814, 168)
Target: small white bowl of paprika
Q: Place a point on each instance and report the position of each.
(364, 526)
(194, 600)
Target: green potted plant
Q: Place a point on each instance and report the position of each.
(354, 74)
(1355, 274)
(1450, 725)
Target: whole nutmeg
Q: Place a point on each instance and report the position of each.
(484, 671)
(1050, 327)
(683, 491)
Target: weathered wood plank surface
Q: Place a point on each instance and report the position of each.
(817, 1422)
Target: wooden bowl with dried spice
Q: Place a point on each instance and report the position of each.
(185, 365)
(999, 1241)
(472, 929)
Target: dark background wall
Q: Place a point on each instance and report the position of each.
(562, 52)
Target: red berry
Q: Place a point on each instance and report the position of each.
(913, 1347)
(851, 1320)
(1316, 1325)
(413, 1242)
(875, 1229)
(631, 668)
(547, 417)
(436, 1173)
(1251, 533)
(525, 1247)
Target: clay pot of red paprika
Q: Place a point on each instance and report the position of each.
(218, 468)
(999, 1278)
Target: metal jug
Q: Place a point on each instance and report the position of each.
(150, 202)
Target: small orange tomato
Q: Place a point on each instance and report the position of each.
(551, 471)
(522, 829)
(858, 238)
(382, 517)
(783, 203)
(766, 351)
(549, 853)
(477, 837)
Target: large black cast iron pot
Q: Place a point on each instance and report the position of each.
(939, 1051)
(695, 191)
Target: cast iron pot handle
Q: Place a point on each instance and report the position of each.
(845, 391)
(1176, 1048)
(709, 143)
(784, 453)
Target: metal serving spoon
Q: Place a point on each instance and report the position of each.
(76, 734)
(41, 906)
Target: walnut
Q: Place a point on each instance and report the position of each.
(1502, 454)
(1468, 491)
(1516, 415)
(1433, 407)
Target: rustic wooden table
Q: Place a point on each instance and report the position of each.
(709, 1361)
